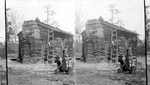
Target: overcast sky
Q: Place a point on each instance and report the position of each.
(132, 12)
(2, 21)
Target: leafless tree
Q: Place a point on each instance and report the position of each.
(147, 15)
(16, 19)
(114, 13)
(8, 28)
(50, 16)
(55, 24)
(80, 20)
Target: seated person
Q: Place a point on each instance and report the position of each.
(59, 64)
(122, 63)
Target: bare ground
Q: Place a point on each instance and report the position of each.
(148, 66)
(36, 74)
(2, 71)
(105, 74)
(86, 74)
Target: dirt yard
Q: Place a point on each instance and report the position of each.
(105, 74)
(85, 74)
(36, 74)
(2, 71)
(148, 66)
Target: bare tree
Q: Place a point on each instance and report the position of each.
(147, 15)
(16, 20)
(56, 24)
(114, 13)
(80, 20)
(9, 31)
(50, 16)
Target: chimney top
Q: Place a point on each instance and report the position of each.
(37, 19)
(100, 18)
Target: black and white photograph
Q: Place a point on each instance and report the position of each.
(112, 42)
(40, 43)
(74, 42)
(147, 33)
(2, 45)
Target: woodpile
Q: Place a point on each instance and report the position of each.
(122, 45)
(58, 46)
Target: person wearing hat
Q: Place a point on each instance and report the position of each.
(57, 60)
(122, 63)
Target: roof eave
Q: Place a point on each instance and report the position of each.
(53, 28)
(117, 27)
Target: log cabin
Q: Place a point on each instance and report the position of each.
(39, 42)
(102, 40)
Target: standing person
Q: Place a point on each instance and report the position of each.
(127, 66)
(130, 56)
(63, 61)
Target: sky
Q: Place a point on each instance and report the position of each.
(2, 21)
(35, 8)
(132, 12)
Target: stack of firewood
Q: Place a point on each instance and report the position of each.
(121, 45)
(57, 44)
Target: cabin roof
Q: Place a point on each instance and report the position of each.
(102, 21)
(50, 27)
(117, 27)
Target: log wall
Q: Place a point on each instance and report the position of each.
(34, 46)
(96, 49)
